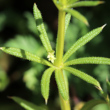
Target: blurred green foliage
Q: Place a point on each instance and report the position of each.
(4, 80)
(17, 29)
(101, 107)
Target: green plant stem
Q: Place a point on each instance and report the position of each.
(65, 105)
(60, 38)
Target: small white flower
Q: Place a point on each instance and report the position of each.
(51, 56)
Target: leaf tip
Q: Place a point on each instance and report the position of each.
(107, 79)
(46, 101)
(87, 23)
(34, 3)
(0, 48)
(99, 88)
(103, 26)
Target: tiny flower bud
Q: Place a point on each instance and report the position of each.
(51, 56)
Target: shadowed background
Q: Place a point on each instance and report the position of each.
(22, 78)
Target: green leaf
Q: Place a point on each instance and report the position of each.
(77, 15)
(90, 104)
(41, 29)
(108, 85)
(89, 60)
(45, 83)
(71, 1)
(62, 87)
(84, 4)
(25, 104)
(25, 55)
(66, 80)
(105, 96)
(4, 79)
(101, 107)
(67, 21)
(83, 76)
(28, 43)
(82, 41)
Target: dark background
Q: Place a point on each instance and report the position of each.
(22, 78)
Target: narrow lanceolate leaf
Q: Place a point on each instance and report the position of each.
(41, 29)
(71, 1)
(26, 105)
(25, 55)
(83, 76)
(92, 103)
(85, 4)
(105, 96)
(108, 85)
(66, 80)
(59, 76)
(67, 21)
(77, 15)
(82, 41)
(45, 83)
(89, 60)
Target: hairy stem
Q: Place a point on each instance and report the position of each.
(60, 38)
(65, 105)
